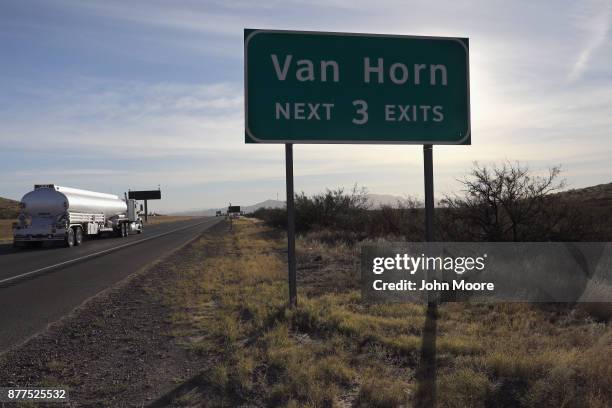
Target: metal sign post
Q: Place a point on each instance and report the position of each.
(429, 192)
(429, 211)
(290, 225)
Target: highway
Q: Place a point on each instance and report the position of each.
(38, 286)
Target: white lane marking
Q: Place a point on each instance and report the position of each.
(12, 278)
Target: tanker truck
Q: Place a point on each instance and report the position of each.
(52, 213)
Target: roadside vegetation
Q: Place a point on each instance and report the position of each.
(6, 231)
(334, 350)
(9, 210)
(232, 304)
(499, 202)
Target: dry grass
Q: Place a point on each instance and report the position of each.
(160, 219)
(6, 231)
(334, 350)
(232, 304)
(8, 208)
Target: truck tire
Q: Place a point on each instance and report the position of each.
(69, 242)
(124, 232)
(78, 236)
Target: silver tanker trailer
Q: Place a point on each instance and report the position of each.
(64, 214)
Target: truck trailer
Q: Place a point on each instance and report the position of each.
(52, 213)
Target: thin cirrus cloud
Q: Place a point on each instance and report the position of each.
(594, 22)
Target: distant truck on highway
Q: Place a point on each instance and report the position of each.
(52, 213)
(233, 211)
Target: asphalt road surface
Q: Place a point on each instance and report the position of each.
(39, 286)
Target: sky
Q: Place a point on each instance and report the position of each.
(115, 95)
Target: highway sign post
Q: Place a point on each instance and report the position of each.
(319, 87)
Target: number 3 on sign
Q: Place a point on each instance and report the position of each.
(362, 110)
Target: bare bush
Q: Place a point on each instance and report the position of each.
(507, 202)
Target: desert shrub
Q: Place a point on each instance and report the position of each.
(500, 202)
(275, 217)
(339, 215)
(508, 202)
(405, 219)
(335, 209)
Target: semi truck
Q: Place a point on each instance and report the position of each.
(52, 213)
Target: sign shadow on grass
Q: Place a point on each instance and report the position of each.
(426, 372)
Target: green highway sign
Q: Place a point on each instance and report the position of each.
(317, 87)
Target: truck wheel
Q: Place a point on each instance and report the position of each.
(78, 236)
(69, 238)
(123, 230)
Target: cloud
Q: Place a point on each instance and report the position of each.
(133, 118)
(594, 21)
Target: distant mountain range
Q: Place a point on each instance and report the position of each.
(376, 200)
